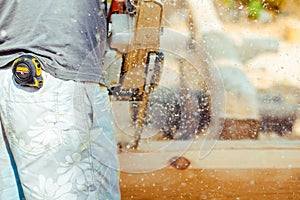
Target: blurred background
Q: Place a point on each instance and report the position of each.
(267, 34)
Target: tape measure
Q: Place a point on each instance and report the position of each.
(27, 71)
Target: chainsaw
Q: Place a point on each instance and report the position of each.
(135, 27)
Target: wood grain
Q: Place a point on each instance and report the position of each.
(233, 170)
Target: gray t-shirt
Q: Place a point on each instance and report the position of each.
(68, 36)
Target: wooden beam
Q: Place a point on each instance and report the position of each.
(233, 170)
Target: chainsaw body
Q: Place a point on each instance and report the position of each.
(135, 30)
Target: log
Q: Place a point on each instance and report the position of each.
(243, 169)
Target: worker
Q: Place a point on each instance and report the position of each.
(57, 136)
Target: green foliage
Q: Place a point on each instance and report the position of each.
(255, 7)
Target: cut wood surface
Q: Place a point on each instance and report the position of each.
(243, 169)
(213, 184)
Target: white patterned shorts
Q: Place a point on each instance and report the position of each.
(62, 138)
